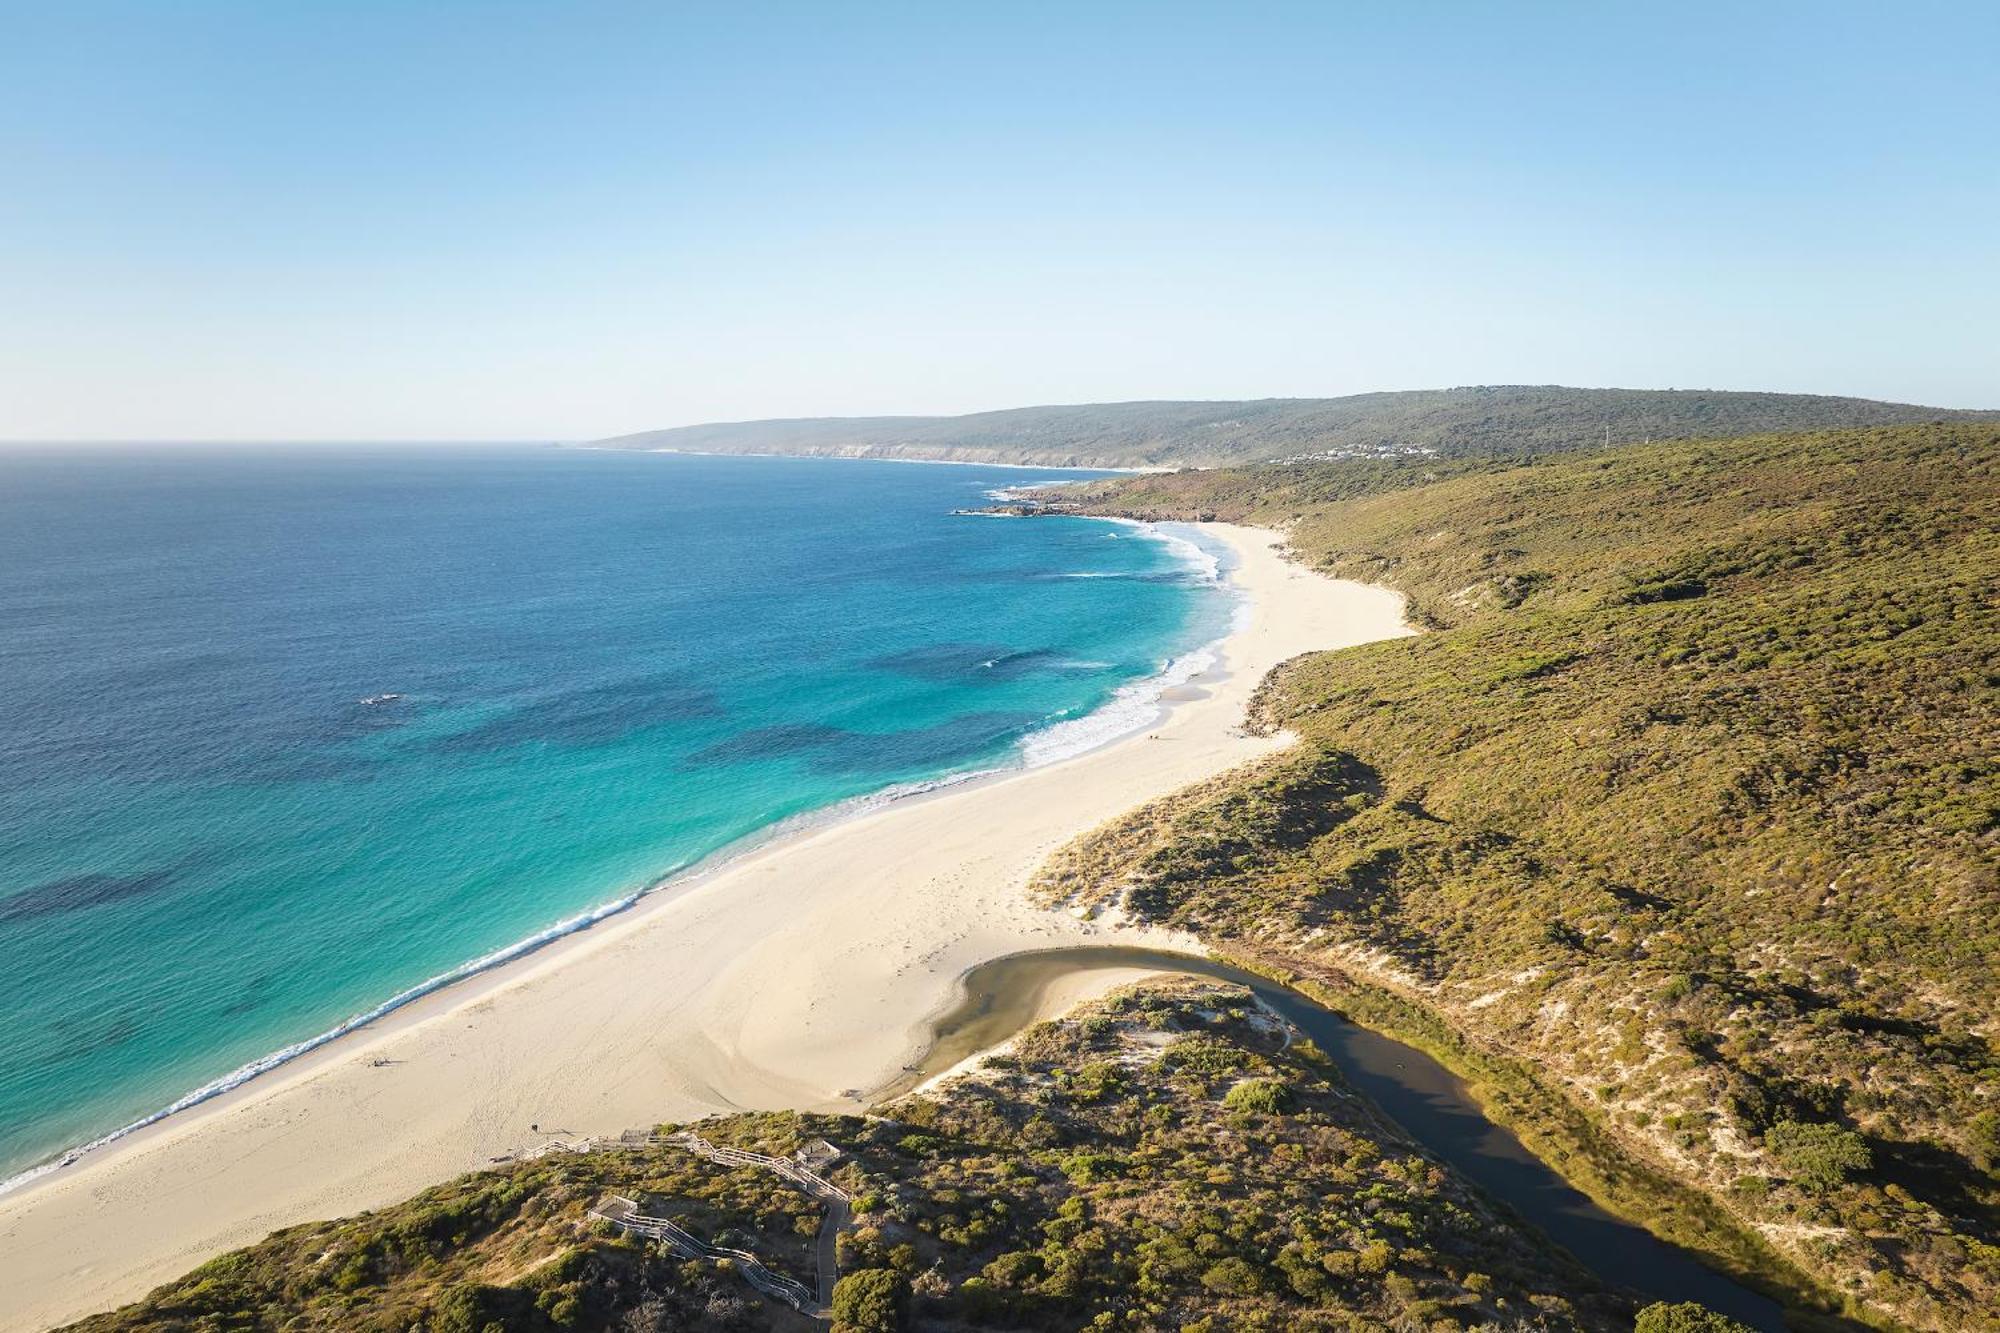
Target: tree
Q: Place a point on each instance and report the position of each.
(873, 1300)
(1687, 1317)
(1819, 1157)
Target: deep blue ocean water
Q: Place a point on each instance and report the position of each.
(587, 669)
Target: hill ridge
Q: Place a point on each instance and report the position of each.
(1463, 421)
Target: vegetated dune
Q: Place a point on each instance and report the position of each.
(1676, 833)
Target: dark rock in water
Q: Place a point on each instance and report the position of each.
(595, 715)
(769, 743)
(834, 750)
(1027, 509)
(83, 1038)
(76, 892)
(923, 747)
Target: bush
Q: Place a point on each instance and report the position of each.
(1819, 1157)
(475, 1308)
(1375, 1257)
(873, 1300)
(1260, 1096)
(977, 1300)
(1087, 1168)
(1203, 1055)
(1687, 1317)
(1983, 1133)
(1233, 1277)
(1016, 1268)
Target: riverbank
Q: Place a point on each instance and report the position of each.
(1420, 1092)
(804, 975)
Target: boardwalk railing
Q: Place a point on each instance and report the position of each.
(624, 1214)
(544, 1149)
(809, 1181)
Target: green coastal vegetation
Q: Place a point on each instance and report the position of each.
(1477, 421)
(1166, 1158)
(1674, 833)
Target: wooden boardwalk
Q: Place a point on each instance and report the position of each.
(625, 1214)
(839, 1203)
(810, 1181)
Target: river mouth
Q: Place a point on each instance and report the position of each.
(1416, 1093)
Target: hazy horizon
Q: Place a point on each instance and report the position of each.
(470, 441)
(447, 221)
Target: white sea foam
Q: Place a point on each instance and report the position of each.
(1026, 490)
(1137, 704)
(1205, 564)
(1131, 707)
(1201, 563)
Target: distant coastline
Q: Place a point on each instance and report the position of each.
(850, 457)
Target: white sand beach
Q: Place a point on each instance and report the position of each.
(795, 976)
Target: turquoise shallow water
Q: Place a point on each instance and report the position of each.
(288, 733)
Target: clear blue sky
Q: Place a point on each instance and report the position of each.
(425, 219)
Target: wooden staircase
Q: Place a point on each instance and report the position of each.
(624, 1214)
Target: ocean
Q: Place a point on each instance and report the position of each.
(293, 734)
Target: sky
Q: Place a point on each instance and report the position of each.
(481, 219)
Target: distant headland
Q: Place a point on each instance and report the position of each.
(1481, 420)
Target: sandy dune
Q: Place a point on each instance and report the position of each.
(792, 977)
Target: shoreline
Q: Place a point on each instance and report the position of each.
(800, 973)
(1155, 695)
